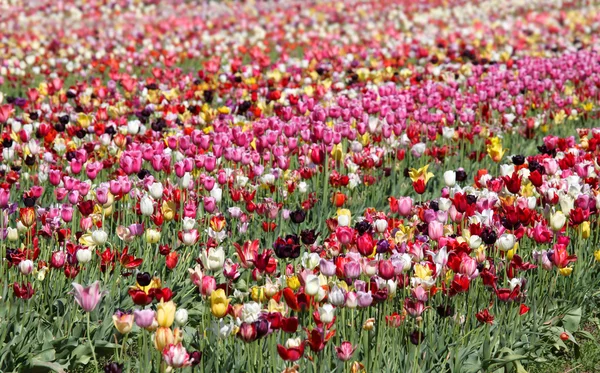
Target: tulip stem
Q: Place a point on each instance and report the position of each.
(91, 344)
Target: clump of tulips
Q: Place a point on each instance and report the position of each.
(298, 187)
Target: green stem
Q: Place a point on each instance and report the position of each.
(91, 344)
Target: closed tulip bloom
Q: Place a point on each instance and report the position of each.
(84, 255)
(337, 296)
(123, 321)
(435, 230)
(506, 242)
(351, 300)
(405, 205)
(156, 190)
(450, 178)
(181, 317)
(557, 220)
(364, 299)
(146, 206)
(344, 216)
(352, 269)
(312, 284)
(326, 313)
(475, 241)
(99, 237)
(219, 303)
(89, 297)
(26, 267)
(162, 338)
(327, 267)
(165, 314)
(144, 318)
(214, 259)
(152, 235)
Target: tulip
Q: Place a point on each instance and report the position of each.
(84, 255)
(404, 205)
(27, 216)
(99, 237)
(147, 206)
(165, 314)
(58, 258)
(435, 230)
(123, 321)
(312, 284)
(293, 350)
(557, 220)
(450, 178)
(326, 313)
(345, 351)
(351, 300)
(156, 190)
(250, 312)
(26, 267)
(506, 242)
(213, 258)
(219, 303)
(144, 318)
(88, 297)
(175, 356)
(337, 296)
(152, 236)
(344, 217)
(162, 338)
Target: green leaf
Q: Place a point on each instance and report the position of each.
(54, 367)
(572, 319)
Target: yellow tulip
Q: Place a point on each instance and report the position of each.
(165, 313)
(510, 253)
(585, 229)
(420, 174)
(293, 282)
(168, 210)
(597, 255)
(258, 293)
(495, 149)
(219, 303)
(162, 338)
(422, 272)
(566, 271)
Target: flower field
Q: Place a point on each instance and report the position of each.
(298, 186)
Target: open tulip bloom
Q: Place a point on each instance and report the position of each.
(298, 186)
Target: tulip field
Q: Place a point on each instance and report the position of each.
(300, 186)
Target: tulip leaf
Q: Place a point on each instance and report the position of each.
(572, 319)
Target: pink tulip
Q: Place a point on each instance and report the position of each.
(345, 351)
(89, 297)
